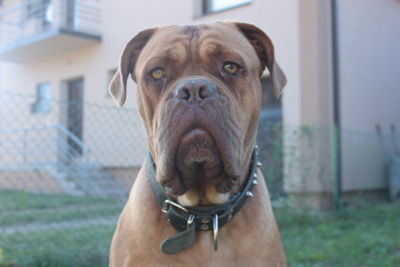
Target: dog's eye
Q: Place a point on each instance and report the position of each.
(231, 68)
(157, 73)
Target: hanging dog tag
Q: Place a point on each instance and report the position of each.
(181, 241)
(215, 232)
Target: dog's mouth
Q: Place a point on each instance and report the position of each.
(199, 164)
(196, 152)
(198, 160)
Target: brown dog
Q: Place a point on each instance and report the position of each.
(199, 95)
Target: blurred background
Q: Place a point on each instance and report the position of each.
(330, 146)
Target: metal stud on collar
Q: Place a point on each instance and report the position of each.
(190, 220)
(249, 194)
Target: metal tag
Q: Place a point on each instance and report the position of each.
(181, 241)
(215, 232)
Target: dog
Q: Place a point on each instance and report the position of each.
(199, 198)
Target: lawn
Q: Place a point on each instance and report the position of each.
(19, 200)
(85, 246)
(83, 241)
(362, 235)
(366, 235)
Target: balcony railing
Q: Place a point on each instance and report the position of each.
(35, 20)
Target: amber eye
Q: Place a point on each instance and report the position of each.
(231, 67)
(157, 73)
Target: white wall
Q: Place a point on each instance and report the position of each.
(370, 86)
(279, 19)
(369, 70)
(121, 20)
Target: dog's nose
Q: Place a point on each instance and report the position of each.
(194, 91)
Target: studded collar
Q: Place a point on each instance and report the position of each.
(189, 220)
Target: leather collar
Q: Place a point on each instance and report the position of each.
(188, 220)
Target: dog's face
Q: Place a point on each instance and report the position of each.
(199, 96)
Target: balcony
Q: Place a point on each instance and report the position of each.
(42, 28)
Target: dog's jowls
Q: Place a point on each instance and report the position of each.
(199, 96)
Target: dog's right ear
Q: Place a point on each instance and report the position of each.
(127, 63)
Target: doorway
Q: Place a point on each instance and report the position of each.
(74, 115)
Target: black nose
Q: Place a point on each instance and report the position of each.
(194, 91)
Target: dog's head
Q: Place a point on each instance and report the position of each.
(199, 96)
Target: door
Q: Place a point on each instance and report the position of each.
(74, 120)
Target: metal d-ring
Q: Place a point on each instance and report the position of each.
(215, 232)
(176, 205)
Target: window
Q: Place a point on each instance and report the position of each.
(110, 75)
(37, 9)
(212, 6)
(269, 99)
(43, 99)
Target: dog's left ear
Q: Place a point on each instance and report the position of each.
(127, 63)
(265, 51)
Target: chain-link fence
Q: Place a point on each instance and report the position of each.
(66, 169)
(65, 172)
(322, 167)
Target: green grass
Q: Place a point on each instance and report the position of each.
(60, 215)
(11, 200)
(79, 246)
(85, 247)
(366, 235)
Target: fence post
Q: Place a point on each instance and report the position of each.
(336, 186)
(86, 170)
(24, 146)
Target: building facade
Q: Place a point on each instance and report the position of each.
(69, 50)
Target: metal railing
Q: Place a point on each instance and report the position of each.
(57, 151)
(35, 17)
(55, 140)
